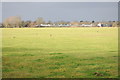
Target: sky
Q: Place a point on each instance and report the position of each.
(66, 11)
(59, 0)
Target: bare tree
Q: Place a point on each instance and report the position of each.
(40, 21)
(13, 21)
(49, 22)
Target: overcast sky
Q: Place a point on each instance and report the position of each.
(67, 11)
(59, 0)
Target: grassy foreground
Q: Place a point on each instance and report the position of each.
(60, 52)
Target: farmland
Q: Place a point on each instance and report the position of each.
(60, 52)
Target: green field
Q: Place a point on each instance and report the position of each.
(60, 52)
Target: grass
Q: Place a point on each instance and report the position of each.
(60, 52)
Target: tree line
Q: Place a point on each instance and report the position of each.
(17, 22)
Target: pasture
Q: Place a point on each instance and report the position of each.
(60, 52)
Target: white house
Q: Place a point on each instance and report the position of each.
(87, 25)
(99, 25)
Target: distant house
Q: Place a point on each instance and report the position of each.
(86, 25)
(63, 25)
(104, 25)
(53, 25)
(99, 25)
(108, 25)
